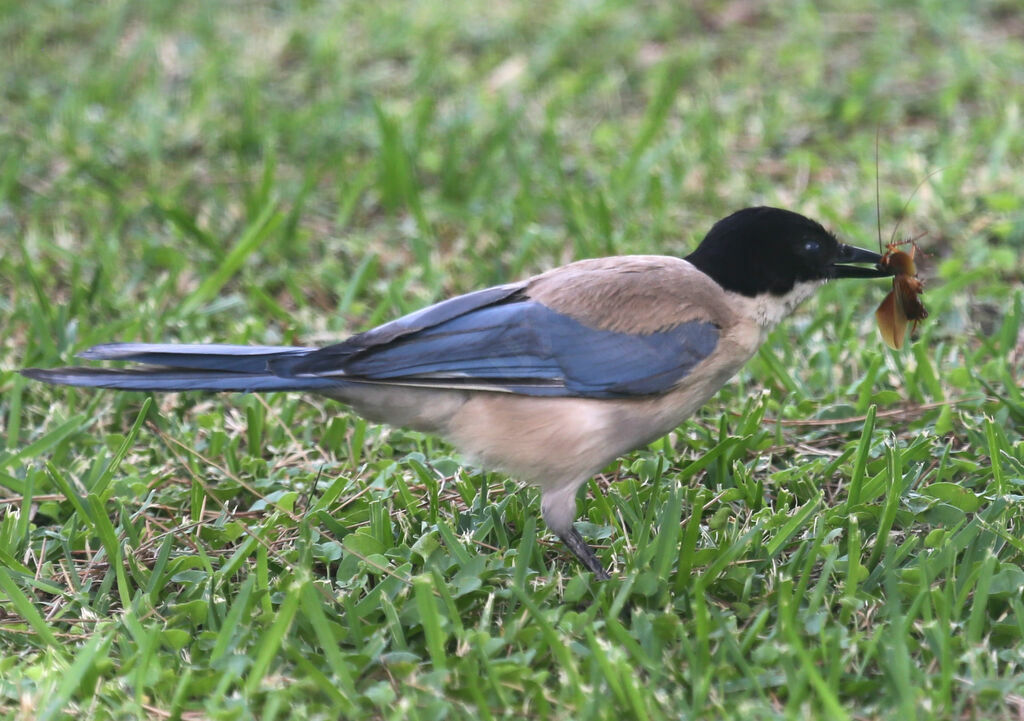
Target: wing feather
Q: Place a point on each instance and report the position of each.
(526, 347)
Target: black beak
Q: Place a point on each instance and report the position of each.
(853, 254)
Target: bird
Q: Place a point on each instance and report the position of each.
(548, 379)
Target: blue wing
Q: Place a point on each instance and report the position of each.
(516, 345)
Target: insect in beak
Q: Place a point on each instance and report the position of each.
(902, 304)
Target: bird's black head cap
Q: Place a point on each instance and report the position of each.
(770, 250)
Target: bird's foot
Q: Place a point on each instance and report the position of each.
(574, 541)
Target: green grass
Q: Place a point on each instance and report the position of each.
(837, 535)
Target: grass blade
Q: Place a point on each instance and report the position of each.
(255, 234)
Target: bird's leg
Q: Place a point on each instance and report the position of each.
(558, 506)
(574, 541)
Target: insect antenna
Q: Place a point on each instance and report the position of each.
(903, 211)
(878, 195)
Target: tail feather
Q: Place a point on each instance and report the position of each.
(188, 367)
(234, 358)
(170, 379)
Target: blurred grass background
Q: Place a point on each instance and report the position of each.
(837, 535)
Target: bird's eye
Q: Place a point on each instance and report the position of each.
(812, 246)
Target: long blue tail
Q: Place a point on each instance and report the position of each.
(238, 368)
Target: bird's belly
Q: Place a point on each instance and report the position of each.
(544, 441)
